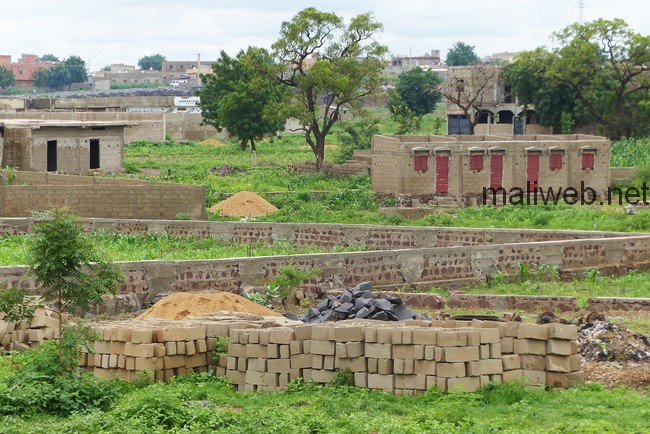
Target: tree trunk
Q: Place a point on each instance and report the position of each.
(60, 301)
(319, 152)
(243, 144)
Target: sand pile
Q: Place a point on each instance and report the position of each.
(243, 204)
(181, 305)
(211, 142)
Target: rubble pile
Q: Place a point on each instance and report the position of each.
(606, 341)
(359, 303)
(30, 332)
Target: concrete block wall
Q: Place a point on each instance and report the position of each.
(406, 358)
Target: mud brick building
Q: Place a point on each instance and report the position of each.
(465, 165)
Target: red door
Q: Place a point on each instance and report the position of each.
(532, 171)
(496, 171)
(442, 173)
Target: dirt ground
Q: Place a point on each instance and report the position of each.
(612, 374)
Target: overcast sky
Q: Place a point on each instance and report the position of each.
(122, 31)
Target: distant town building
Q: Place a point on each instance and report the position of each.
(24, 68)
(405, 62)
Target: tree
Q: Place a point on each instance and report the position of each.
(69, 267)
(41, 77)
(329, 67)
(471, 89)
(6, 77)
(416, 93)
(76, 67)
(153, 61)
(242, 95)
(49, 58)
(58, 77)
(461, 54)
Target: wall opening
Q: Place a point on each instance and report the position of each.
(51, 156)
(94, 153)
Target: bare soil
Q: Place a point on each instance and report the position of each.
(244, 204)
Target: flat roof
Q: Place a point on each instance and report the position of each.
(40, 123)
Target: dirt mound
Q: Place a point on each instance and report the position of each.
(244, 204)
(211, 142)
(609, 342)
(181, 305)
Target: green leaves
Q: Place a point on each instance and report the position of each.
(462, 54)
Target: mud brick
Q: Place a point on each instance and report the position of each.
(460, 354)
(271, 379)
(320, 333)
(171, 362)
(407, 336)
(558, 363)
(40, 321)
(356, 364)
(385, 335)
(254, 377)
(418, 352)
(124, 334)
(242, 364)
(149, 363)
(473, 337)
(117, 347)
(253, 336)
(355, 349)
(511, 362)
(379, 351)
(328, 362)
(557, 380)
(450, 370)
(530, 346)
(201, 346)
(424, 367)
(507, 345)
(273, 351)
(575, 363)
(256, 350)
(139, 350)
(232, 363)
(217, 329)
(533, 331)
(295, 374)
(259, 364)
(159, 350)
(463, 384)
(490, 336)
(370, 335)
(141, 336)
(429, 352)
(180, 349)
(495, 350)
(97, 360)
(511, 329)
(496, 378)
(296, 347)
(112, 360)
(530, 362)
(396, 338)
(35, 335)
(102, 347)
(306, 346)
(451, 339)
(349, 334)
(283, 380)
(322, 376)
(195, 333)
(264, 337)
(317, 361)
(484, 367)
(384, 366)
(516, 375)
(306, 374)
(403, 352)
(534, 378)
(237, 377)
(485, 380)
(558, 347)
(402, 366)
(170, 348)
(373, 365)
(341, 350)
(190, 348)
(302, 332)
(432, 382)
(169, 334)
(562, 331)
(285, 353)
(300, 361)
(121, 361)
(484, 351)
(576, 378)
(381, 382)
(325, 348)
(130, 363)
(406, 381)
(281, 336)
(361, 379)
(243, 337)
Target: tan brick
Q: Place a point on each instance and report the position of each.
(405, 381)
(171, 362)
(575, 362)
(195, 333)
(281, 336)
(425, 367)
(148, 363)
(429, 352)
(317, 361)
(264, 337)
(533, 331)
(117, 347)
(450, 370)
(356, 364)
(170, 334)
(361, 379)
(139, 350)
(460, 354)
(253, 336)
(300, 361)
(326, 348)
(285, 352)
(464, 384)
(511, 329)
(384, 335)
(273, 351)
(242, 364)
(349, 334)
(557, 380)
(130, 363)
(495, 350)
(484, 351)
(530, 346)
(190, 348)
(328, 362)
(507, 345)
(562, 331)
(378, 351)
(373, 365)
(576, 378)
(141, 336)
(355, 349)
(511, 362)
(271, 379)
(296, 347)
(381, 382)
(490, 336)
(451, 339)
(384, 366)
(36, 335)
(254, 377)
(302, 332)
(341, 350)
(534, 378)
(484, 367)
(112, 360)
(403, 352)
(370, 335)
(232, 349)
(256, 350)
(322, 376)
(530, 362)
(558, 363)
(516, 375)
(102, 347)
(558, 347)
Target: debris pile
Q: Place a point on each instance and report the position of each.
(605, 341)
(181, 305)
(359, 303)
(20, 335)
(244, 204)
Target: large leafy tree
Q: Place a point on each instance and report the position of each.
(62, 74)
(600, 73)
(243, 95)
(49, 58)
(72, 272)
(6, 77)
(462, 54)
(76, 67)
(329, 66)
(417, 92)
(153, 61)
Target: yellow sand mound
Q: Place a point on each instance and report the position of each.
(244, 204)
(211, 142)
(181, 305)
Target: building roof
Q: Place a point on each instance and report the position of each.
(39, 123)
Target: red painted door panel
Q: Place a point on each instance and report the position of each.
(496, 171)
(532, 171)
(442, 173)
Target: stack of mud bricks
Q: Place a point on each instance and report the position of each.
(28, 333)
(155, 349)
(405, 358)
(541, 355)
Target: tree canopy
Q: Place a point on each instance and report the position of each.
(48, 58)
(242, 95)
(6, 77)
(462, 54)
(598, 73)
(153, 61)
(62, 74)
(330, 67)
(419, 90)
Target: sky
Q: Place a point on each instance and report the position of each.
(123, 31)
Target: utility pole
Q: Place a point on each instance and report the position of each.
(198, 68)
(581, 11)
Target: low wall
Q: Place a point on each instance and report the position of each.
(604, 304)
(332, 169)
(621, 174)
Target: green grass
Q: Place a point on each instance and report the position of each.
(173, 408)
(630, 153)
